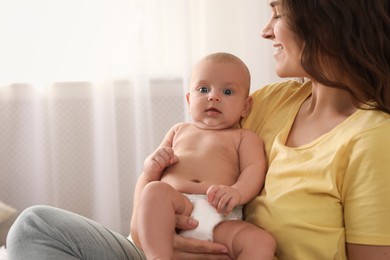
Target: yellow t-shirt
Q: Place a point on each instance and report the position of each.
(333, 190)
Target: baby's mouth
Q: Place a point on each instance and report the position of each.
(212, 110)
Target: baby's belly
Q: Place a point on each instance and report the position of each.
(187, 186)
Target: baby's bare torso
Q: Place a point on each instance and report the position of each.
(206, 157)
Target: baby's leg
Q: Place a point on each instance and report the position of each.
(245, 240)
(156, 219)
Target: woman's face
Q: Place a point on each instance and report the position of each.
(288, 47)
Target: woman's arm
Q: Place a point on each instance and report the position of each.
(188, 248)
(366, 195)
(364, 252)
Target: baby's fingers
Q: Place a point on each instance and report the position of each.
(224, 206)
(227, 204)
(211, 194)
(169, 155)
(218, 197)
(164, 156)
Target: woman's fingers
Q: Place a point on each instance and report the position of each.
(185, 222)
(187, 248)
(197, 256)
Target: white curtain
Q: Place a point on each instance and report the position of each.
(88, 89)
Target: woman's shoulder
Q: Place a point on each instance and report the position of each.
(282, 88)
(280, 96)
(366, 132)
(373, 121)
(281, 93)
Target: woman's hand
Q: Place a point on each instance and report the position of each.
(188, 248)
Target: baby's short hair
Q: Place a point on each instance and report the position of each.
(228, 57)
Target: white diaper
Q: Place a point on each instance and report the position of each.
(208, 217)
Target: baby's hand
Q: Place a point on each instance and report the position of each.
(155, 163)
(223, 198)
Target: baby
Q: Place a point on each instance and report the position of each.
(207, 169)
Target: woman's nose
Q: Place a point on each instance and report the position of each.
(267, 32)
(266, 35)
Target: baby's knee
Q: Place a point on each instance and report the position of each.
(257, 240)
(156, 190)
(246, 241)
(256, 234)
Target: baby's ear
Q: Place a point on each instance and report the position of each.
(188, 98)
(247, 106)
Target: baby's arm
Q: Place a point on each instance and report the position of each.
(253, 166)
(154, 166)
(161, 158)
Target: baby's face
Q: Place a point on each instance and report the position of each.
(218, 96)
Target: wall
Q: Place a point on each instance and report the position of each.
(237, 29)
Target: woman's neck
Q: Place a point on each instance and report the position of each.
(327, 101)
(322, 111)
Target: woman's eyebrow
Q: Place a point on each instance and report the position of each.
(273, 3)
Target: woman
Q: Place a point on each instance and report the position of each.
(327, 140)
(326, 194)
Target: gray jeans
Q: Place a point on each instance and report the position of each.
(43, 233)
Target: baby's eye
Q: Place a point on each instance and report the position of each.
(203, 89)
(228, 92)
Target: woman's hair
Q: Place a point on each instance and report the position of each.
(348, 38)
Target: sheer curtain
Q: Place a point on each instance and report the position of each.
(88, 89)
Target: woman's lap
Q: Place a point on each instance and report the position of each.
(43, 232)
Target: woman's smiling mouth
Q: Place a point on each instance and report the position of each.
(278, 48)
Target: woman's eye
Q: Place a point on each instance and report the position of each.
(228, 92)
(203, 90)
(277, 16)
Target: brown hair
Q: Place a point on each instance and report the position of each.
(350, 36)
